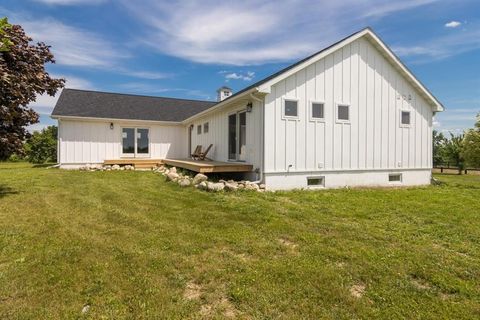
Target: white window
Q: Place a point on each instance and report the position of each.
(290, 108)
(317, 111)
(405, 119)
(316, 182)
(395, 177)
(343, 113)
(199, 129)
(205, 127)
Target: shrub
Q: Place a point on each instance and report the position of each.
(41, 147)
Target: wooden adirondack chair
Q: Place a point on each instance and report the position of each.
(196, 153)
(203, 155)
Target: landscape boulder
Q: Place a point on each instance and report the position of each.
(252, 186)
(202, 185)
(199, 178)
(215, 187)
(184, 182)
(231, 186)
(172, 176)
(115, 167)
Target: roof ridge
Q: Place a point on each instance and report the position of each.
(138, 95)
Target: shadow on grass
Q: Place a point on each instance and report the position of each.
(42, 165)
(5, 191)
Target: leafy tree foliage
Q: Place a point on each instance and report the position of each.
(471, 145)
(22, 78)
(41, 147)
(438, 148)
(454, 151)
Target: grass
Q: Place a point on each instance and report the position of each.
(129, 245)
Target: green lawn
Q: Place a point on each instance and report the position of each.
(130, 245)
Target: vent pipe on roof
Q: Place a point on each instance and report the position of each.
(223, 93)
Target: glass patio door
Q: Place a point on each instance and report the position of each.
(135, 142)
(237, 136)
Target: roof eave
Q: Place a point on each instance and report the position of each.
(99, 119)
(221, 104)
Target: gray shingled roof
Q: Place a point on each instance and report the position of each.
(93, 104)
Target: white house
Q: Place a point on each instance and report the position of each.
(349, 115)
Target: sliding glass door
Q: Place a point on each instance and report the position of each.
(135, 142)
(237, 136)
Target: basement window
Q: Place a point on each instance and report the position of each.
(199, 129)
(290, 108)
(395, 177)
(205, 127)
(315, 182)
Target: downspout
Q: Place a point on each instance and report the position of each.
(262, 138)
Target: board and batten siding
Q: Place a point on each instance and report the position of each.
(218, 133)
(84, 142)
(357, 75)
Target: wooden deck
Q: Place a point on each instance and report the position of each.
(209, 166)
(136, 162)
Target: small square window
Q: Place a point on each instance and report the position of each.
(315, 181)
(291, 108)
(205, 127)
(343, 112)
(395, 177)
(318, 110)
(405, 118)
(199, 129)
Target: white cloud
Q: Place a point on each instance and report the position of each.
(149, 89)
(147, 74)
(37, 127)
(453, 24)
(252, 32)
(69, 2)
(248, 76)
(455, 120)
(442, 47)
(73, 46)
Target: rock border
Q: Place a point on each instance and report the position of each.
(201, 182)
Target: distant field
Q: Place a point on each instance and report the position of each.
(455, 171)
(128, 245)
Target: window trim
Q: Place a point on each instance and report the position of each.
(310, 111)
(391, 174)
(207, 126)
(316, 186)
(199, 129)
(402, 125)
(285, 117)
(338, 104)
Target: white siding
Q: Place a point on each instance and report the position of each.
(218, 133)
(360, 76)
(93, 141)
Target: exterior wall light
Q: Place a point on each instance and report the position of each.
(111, 125)
(249, 107)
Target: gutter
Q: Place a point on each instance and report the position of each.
(262, 144)
(172, 123)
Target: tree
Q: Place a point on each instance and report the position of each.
(454, 151)
(438, 148)
(471, 145)
(41, 147)
(22, 78)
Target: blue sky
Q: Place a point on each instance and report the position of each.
(188, 49)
